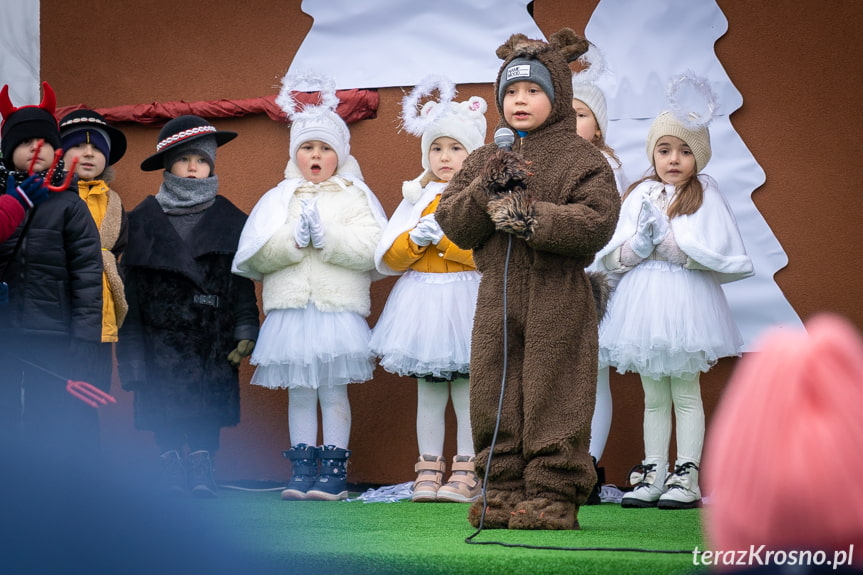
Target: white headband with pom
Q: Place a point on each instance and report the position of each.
(685, 93)
(584, 86)
(464, 121)
(314, 122)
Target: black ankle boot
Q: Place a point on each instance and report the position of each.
(593, 498)
(304, 471)
(201, 477)
(332, 483)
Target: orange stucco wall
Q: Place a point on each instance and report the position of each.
(800, 118)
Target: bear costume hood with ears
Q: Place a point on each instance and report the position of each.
(564, 46)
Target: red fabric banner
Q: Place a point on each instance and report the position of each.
(354, 105)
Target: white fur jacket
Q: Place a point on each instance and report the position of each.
(335, 278)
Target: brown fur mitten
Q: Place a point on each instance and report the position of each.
(504, 172)
(544, 513)
(513, 214)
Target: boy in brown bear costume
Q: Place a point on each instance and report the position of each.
(534, 216)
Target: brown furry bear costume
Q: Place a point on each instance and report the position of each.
(554, 198)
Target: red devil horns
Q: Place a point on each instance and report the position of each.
(49, 101)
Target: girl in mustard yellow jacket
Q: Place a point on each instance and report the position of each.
(424, 331)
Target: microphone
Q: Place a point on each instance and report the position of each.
(504, 138)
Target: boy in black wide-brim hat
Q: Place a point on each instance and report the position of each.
(190, 320)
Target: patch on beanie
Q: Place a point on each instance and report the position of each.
(518, 71)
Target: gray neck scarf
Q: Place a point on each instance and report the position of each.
(186, 195)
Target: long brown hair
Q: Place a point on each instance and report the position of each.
(688, 197)
(599, 142)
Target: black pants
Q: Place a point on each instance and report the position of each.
(36, 412)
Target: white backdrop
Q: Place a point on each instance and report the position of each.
(382, 43)
(19, 50)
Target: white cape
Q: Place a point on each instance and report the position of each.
(710, 236)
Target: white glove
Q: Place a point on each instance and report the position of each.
(427, 231)
(302, 235)
(642, 241)
(661, 227)
(420, 235)
(429, 223)
(313, 217)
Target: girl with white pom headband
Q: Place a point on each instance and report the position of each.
(424, 331)
(311, 242)
(675, 243)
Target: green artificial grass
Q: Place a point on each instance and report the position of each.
(361, 538)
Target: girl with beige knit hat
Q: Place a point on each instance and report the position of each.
(676, 243)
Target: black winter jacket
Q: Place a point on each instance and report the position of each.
(55, 276)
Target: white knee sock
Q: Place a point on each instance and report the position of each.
(657, 418)
(335, 415)
(303, 415)
(432, 398)
(460, 393)
(689, 418)
(600, 425)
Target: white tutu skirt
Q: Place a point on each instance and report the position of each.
(311, 348)
(425, 328)
(665, 320)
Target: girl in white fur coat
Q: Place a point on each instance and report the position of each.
(311, 242)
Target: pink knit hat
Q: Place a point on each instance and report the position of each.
(783, 459)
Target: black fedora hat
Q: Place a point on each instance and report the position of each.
(181, 130)
(84, 119)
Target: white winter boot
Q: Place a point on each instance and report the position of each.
(648, 480)
(681, 488)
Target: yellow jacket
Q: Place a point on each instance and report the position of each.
(445, 257)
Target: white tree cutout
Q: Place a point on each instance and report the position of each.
(383, 43)
(645, 45)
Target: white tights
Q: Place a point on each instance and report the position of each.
(335, 415)
(432, 398)
(659, 395)
(601, 423)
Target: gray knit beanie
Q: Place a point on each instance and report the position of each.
(204, 147)
(525, 70)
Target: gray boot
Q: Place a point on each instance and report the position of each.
(201, 477)
(332, 483)
(172, 478)
(304, 471)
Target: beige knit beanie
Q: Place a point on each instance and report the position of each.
(698, 138)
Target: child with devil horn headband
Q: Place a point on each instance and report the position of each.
(60, 328)
(311, 242)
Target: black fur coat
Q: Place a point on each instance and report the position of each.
(187, 311)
